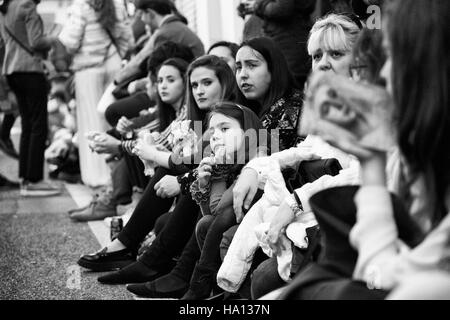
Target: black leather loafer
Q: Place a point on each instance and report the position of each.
(107, 261)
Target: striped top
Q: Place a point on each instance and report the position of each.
(88, 40)
(164, 137)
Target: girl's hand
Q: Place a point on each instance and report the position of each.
(124, 125)
(283, 218)
(204, 172)
(244, 192)
(167, 187)
(145, 151)
(275, 242)
(104, 143)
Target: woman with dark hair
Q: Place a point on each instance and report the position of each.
(170, 108)
(210, 80)
(264, 79)
(170, 104)
(422, 117)
(226, 51)
(98, 35)
(330, 46)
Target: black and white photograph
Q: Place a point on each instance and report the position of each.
(214, 158)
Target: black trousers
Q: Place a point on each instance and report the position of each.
(147, 211)
(128, 107)
(31, 90)
(179, 229)
(211, 249)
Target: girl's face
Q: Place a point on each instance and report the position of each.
(225, 54)
(206, 87)
(225, 134)
(331, 60)
(252, 74)
(170, 84)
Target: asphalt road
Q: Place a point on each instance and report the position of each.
(39, 247)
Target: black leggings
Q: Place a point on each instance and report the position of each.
(149, 208)
(173, 238)
(210, 257)
(128, 107)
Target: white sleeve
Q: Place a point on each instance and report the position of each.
(72, 32)
(375, 236)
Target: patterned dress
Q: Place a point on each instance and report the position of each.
(284, 116)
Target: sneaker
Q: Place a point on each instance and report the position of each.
(96, 210)
(38, 189)
(8, 147)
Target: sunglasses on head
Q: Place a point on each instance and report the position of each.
(354, 19)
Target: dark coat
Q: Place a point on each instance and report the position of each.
(288, 23)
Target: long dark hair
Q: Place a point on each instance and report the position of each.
(282, 80)
(419, 36)
(4, 6)
(233, 47)
(248, 121)
(223, 72)
(106, 12)
(166, 111)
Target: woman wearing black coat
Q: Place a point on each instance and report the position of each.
(288, 23)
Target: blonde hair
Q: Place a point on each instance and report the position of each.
(333, 32)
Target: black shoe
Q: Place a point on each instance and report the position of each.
(148, 290)
(168, 287)
(8, 147)
(133, 273)
(107, 261)
(6, 184)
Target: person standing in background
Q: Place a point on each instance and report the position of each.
(253, 25)
(288, 23)
(22, 35)
(8, 106)
(98, 33)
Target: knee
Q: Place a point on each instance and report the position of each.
(265, 278)
(161, 222)
(202, 229)
(226, 241)
(111, 115)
